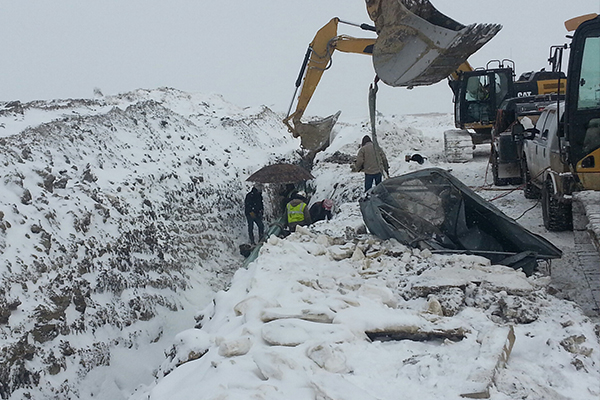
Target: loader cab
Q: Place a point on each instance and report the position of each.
(478, 94)
(582, 117)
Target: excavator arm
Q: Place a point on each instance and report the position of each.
(316, 61)
(415, 45)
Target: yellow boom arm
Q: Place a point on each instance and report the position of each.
(317, 60)
(416, 45)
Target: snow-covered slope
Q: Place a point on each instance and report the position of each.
(115, 211)
(120, 220)
(319, 316)
(333, 313)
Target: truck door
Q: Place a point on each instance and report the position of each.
(534, 146)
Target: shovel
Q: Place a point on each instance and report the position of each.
(418, 45)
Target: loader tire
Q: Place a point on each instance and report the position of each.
(557, 215)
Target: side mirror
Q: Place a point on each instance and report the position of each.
(530, 133)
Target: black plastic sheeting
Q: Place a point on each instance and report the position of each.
(431, 209)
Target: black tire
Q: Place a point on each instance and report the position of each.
(557, 214)
(530, 191)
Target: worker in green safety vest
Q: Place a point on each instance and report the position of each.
(297, 211)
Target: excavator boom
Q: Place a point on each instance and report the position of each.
(314, 135)
(416, 45)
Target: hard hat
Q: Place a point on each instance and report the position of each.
(302, 193)
(328, 204)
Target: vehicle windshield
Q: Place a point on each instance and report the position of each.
(478, 101)
(589, 82)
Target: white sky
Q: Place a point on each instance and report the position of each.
(250, 52)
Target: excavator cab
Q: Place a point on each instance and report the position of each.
(478, 94)
(415, 45)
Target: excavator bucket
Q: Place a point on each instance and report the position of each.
(417, 45)
(315, 135)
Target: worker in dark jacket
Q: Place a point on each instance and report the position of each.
(373, 162)
(297, 211)
(321, 210)
(253, 208)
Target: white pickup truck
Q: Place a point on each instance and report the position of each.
(546, 173)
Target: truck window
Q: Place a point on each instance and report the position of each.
(541, 122)
(550, 125)
(589, 82)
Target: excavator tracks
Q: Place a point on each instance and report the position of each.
(458, 146)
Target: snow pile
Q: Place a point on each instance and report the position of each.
(343, 315)
(120, 218)
(117, 216)
(591, 201)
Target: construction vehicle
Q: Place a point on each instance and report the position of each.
(415, 45)
(562, 152)
(513, 118)
(478, 96)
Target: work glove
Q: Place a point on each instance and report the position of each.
(252, 215)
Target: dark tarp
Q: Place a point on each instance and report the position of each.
(432, 209)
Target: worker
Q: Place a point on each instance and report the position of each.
(253, 208)
(366, 161)
(321, 210)
(297, 211)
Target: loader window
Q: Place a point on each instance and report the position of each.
(589, 81)
(477, 96)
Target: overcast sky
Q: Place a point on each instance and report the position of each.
(248, 51)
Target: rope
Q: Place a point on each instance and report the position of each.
(526, 211)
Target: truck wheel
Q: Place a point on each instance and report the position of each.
(530, 191)
(557, 215)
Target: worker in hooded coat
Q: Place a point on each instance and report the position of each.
(321, 210)
(366, 160)
(254, 209)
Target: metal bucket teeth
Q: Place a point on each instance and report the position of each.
(417, 45)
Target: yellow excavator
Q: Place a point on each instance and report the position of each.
(416, 45)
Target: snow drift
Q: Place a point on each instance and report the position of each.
(120, 220)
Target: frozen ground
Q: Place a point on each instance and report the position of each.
(148, 249)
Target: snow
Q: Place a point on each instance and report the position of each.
(330, 312)
(294, 326)
(591, 203)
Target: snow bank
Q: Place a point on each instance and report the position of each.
(302, 322)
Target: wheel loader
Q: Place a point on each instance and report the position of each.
(563, 151)
(416, 45)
